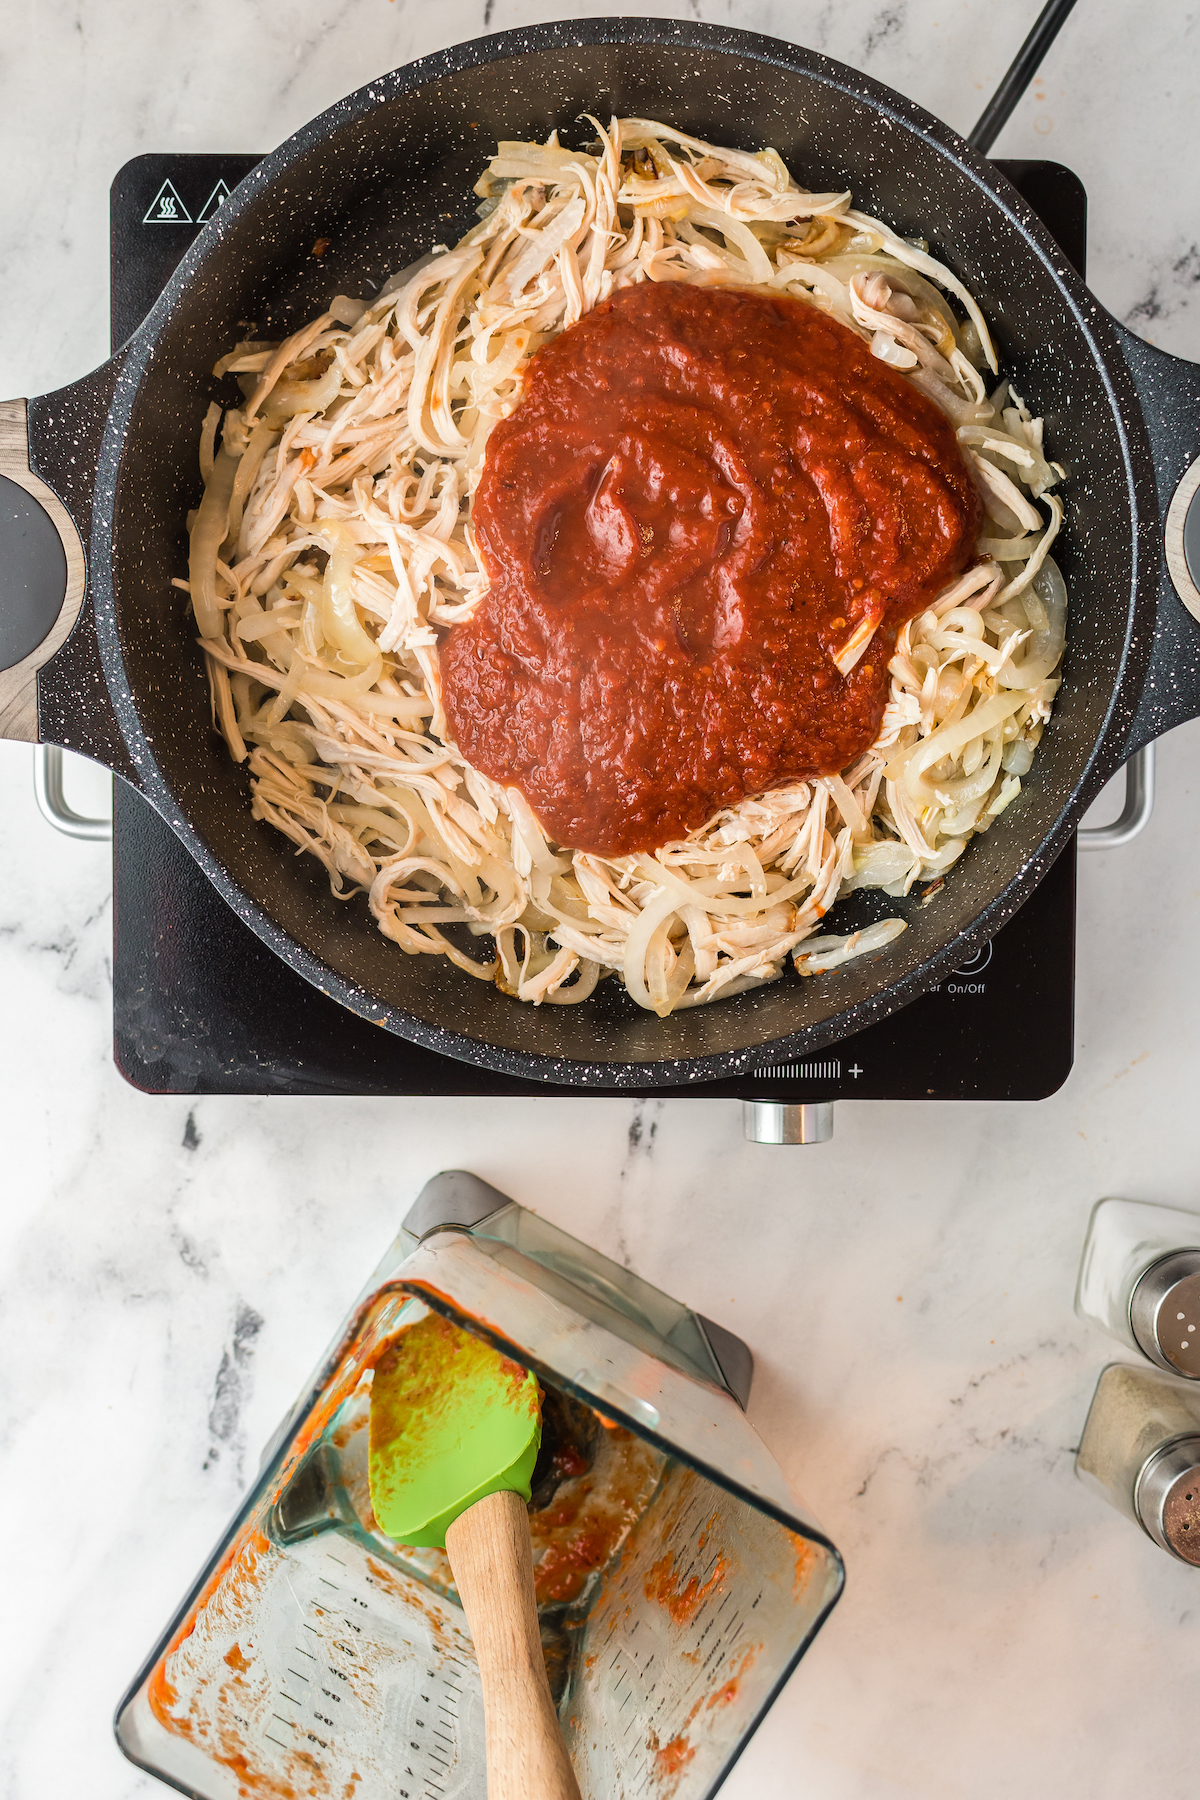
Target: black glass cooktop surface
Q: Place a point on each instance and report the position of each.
(200, 1005)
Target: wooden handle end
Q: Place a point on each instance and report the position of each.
(492, 1560)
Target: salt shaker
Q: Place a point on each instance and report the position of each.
(1140, 1281)
(1141, 1450)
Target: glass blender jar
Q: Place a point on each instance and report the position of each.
(679, 1578)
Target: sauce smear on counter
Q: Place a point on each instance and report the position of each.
(699, 497)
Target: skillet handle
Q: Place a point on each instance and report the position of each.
(1169, 390)
(44, 577)
(52, 685)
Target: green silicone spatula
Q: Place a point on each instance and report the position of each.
(455, 1429)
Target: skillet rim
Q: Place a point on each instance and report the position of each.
(1092, 321)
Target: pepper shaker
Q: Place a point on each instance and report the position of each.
(1139, 1280)
(1141, 1450)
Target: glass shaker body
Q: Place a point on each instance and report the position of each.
(1139, 1280)
(1140, 1450)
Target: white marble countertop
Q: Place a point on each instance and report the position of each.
(169, 1268)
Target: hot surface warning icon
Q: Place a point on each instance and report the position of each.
(167, 208)
(219, 193)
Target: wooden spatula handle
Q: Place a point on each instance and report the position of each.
(490, 1555)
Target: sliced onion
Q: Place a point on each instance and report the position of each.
(887, 350)
(735, 233)
(821, 953)
(581, 989)
(208, 534)
(291, 350)
(1018, 549)
(1045, 647)
(339, 620)
(638, 943)
(1002, 498)
(899, 276)
(1018, 757)
(346, 310)
(288, 398)
(959, 790)
(910, 765)
(878, 865)
(208, 441)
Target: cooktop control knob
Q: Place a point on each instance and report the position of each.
(767, 1122)
(1164, 1311)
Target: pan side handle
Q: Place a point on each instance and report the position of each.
(52, 684)
(43, 576)
(1169, 390)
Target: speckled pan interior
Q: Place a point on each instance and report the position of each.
(386, 174)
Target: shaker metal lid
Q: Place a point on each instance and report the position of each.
(1164, 1312)
(1167, 1497)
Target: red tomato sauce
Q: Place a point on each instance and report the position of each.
(699, 495)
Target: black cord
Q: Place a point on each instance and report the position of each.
(1026, 64)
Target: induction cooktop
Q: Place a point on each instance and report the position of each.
(200, 1005)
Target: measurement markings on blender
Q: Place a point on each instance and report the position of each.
(330, 1704)
(721, 1651)
(443, 1751)
(719, 1646)
(637, 1682)
(624, 1676)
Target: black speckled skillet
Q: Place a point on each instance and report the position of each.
(386, 173)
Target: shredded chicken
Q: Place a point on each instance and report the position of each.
(333, 548)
